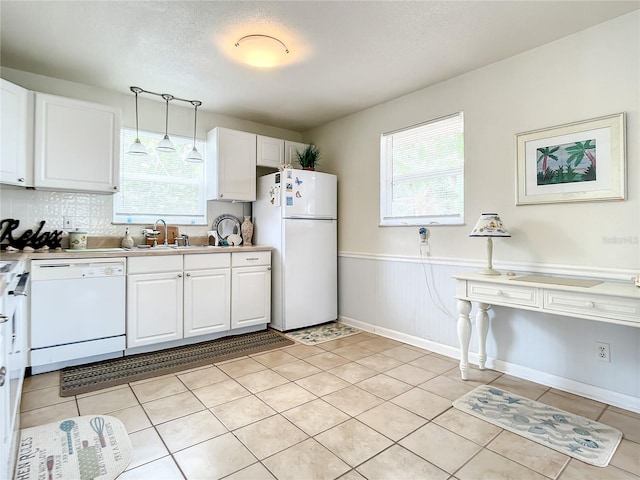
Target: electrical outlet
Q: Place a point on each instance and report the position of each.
(424, 235)
(603, 352)
(67, 222)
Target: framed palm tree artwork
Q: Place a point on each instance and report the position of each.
(576, 162)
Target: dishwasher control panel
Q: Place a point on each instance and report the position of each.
(73, 269)
(103, 270)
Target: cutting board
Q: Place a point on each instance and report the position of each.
(172, 232)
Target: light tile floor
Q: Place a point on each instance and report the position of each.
(359, 407)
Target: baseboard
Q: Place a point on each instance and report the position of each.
(626, 402)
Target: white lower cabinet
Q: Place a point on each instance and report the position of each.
(207, 294)
(154, 300)
(171, 297)
(250, 288)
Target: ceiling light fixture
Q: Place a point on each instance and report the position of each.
(165, 144)
(262, 51)
(194, 155)
(137, 148)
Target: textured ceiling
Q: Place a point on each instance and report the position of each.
(345, 56)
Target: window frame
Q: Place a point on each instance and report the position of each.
(140, 218)
(386, 218)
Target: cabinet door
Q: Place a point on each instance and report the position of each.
(154, 308)
(291, 150)
(231, 172)
(16, 157)
(5, 410)
(207, 304)
(250, 296)
(77, 145)
(270, 151)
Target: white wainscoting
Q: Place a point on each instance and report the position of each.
(411, 299)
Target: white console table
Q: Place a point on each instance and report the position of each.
(601, 301)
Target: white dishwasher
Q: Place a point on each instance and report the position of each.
(77, 311)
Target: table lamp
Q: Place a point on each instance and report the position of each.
(489, 225)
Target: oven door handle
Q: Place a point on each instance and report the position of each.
(21, 287)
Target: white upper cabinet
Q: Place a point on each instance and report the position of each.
(77, 145)
(270, 151)
(291, 150)
(16, 157)
(231, 165)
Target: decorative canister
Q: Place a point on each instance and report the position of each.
(127, 241)
(247, 230)
(78, 240)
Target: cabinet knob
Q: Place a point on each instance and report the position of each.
(3, 374)
(179, 275)
(590, 304)
(115, 187)
(220, 195)
(21, 179)
(188, 274)
(499, 292)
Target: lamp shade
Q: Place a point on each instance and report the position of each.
(489, 225)
(193, 156)
(137, 148)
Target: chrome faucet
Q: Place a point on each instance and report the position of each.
(166, 231)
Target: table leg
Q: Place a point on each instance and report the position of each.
(464, 335)
(482, 323)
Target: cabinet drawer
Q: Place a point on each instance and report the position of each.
(613, 308)
(207, 261)
(154, 264)
(502, 294)
(248, 259)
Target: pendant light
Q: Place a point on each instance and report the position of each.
(165, 144)
(137, 148)
(194, 155)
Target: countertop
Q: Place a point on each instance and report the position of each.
(121, 252)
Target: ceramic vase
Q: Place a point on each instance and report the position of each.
(247, 231)
(127, 241)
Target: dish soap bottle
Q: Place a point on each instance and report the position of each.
(127, 241)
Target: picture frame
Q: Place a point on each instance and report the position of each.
(576, 162)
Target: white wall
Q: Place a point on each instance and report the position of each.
(587, 75)
(95, 212)
(381, 281)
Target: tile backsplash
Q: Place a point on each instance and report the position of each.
(90, 212)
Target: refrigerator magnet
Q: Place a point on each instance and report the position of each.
(289, 201)
(298, 181)
(298, 195)
(289, 187)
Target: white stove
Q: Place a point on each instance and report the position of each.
(14, 283)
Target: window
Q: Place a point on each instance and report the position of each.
(422, 174)
(161, 184)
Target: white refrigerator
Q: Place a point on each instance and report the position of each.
(296, 213)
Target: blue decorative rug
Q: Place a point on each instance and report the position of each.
(573, 435)
(322, 333)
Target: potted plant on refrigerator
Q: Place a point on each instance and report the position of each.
(308, 157)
